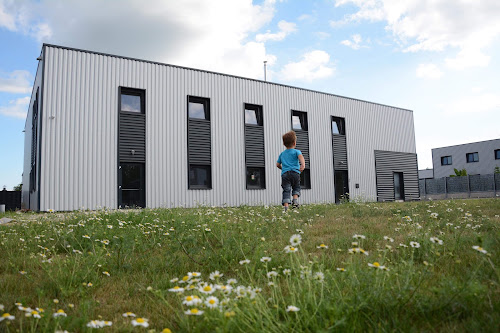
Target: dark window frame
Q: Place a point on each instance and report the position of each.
(340, 125)
(258, 114)
(132, 92)
(209, 173)
(473, 160)
(305, 179)
(497, 154)
(34, 142)
(446, 160)
(303, 120)
(206, 106)
(262, 185)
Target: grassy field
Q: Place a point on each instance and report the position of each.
(415, 266)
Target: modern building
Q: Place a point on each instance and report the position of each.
(477, 158)
(425, 173)
(111, 131)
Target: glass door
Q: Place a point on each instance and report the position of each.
(131, 185)
(399, 192)
(341, 186)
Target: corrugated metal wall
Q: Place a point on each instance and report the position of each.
(388, 162)
(80, 143)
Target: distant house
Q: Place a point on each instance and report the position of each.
(477, 158)
(111, 131)
(425, 174)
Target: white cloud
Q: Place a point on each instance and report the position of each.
(428, 71)
(322, 35)
(435, 25)
(355, 43)
(17, 82)
(480, 103)
(285, 29)
(17, 108)
(211, 35)
(314, 65)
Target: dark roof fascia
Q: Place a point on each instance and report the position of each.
(465, 144)
(210, 72)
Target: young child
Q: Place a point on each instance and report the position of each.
(292, 163)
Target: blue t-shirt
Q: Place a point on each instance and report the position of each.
(289, 160)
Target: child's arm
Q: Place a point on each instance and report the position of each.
(278, 165)
(302, 163)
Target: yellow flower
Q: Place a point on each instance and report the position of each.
(194, 312)
(166, 330)
(140, 322)
(322, 246)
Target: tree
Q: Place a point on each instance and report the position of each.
(18, 187)
(497, 169)
(459, 173)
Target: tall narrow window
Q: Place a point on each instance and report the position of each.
(300, 126)
(34, 142)
(199, 143)
(340, 167)
(338, 126)
(132, 148)
(254, 148)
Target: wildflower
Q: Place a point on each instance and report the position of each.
(105, 242)
(292, 308)
(174, 280)
(185, 278)
(59, 313)
(341, 269)
(403, 245)
(191, 300)
(356, 236)
(7, 316)
(86, 236)
(436, 240)
(106, 273)
(319, 276)
(480, 249)
(434, 215)
(128, 314)
(229, 314)
(295, 239)
(55, 300)
(232, 281)
(89, 284)
(22, 308)
(207, 288)
(215, 275)
(272, 274)
(212, 302)
(263, 239)
(290, 249)
(388, 246)
(354, 243)
(71, 305)
(176, 289)
(2, 307)
(194, 312)
(287, 271)
(357, 250)
(265, 259)
(387, 238)
(110, 226)
(271, 284)
(194, 274)
(166, 330)
(415, 244)
(140, 322)
(322, 246)
(377, 265)
(245, 261)
(34, 314)
(22, 272)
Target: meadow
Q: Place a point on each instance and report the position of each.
(356, 267)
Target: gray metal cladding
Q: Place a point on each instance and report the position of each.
(303, 146)
(254, 146)
(79, 146)
(199, 142)
(388, 162)
(339, 152)
(132, 136)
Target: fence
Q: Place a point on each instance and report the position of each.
(475, 186)
(11, 199)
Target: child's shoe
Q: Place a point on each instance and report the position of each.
(295, 204)
(285, 209)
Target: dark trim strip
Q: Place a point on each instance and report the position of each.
(40, 115)
(210, 72)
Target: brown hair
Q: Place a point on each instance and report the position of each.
(289, 138)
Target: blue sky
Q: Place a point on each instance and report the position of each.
(439, 58)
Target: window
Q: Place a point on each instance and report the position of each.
(472, 157)
(446, 160)
(199, 108)
(256, 178)
(299, 121)
(132, 100)
(253, 114)
(338, 126)
(200, 176)
(305, 179)
(34, 142)
(497, 154)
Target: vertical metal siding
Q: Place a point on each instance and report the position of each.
(79, 145)
(388, 162)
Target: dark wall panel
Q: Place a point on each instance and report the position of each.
(303, 145)
(199, 142)
(254, 146)
(132, 137)
(339, 152)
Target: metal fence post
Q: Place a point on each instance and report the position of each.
(425, 188)
(468, 185)
(445, 187)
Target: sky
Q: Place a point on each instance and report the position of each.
(438, 58)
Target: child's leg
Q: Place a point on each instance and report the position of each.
(296, 189)
(287, 189)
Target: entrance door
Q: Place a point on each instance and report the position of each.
(399, 188)
(341, 186)
(131, 191)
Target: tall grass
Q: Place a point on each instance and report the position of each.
(100, 265)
